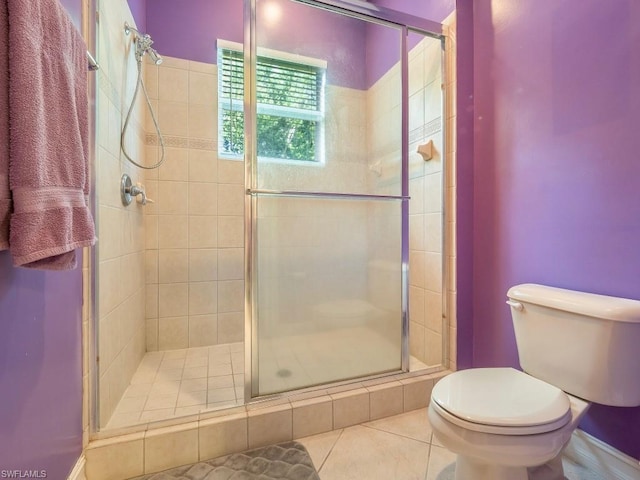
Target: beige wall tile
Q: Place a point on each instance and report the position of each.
(203, 121)
(416, 341)
(270, 425)
(174, 62)
(175, 166)
(433, 232)
(203, 264)
(203, 165)
(107, 460)
(151, 335)
(312, 416)
(416, 268)
(203, 330)
(151, 266)
(109, 277)
(203, 89)
(203, 198)
(151, 231)
(230, 231)
(173, 265)
(173, 231)
(231, 171)
(386, 400)
(110, 221)
(350, 408)
(230, 327)
(151, 303)
(231, 263)
(203, 232)
(433, 310)
(416, 304)
(416, 232)
(416, 392)
(433, 193)
(230, 199)
(230, 296)
(223, 436)
(173, 333)
(173, 299)
(433, 271)
(203, 298)
(173, 84)
(173, 118)
(151, 79)
(173, 198)
(432, 347)
(168, 447)
(202, 67)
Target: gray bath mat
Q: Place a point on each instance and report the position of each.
(286, 461)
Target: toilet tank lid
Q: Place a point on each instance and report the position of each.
(581, 303)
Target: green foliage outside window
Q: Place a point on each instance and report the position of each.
(289, 107)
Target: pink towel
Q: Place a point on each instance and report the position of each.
(5, 194)
(48, 109)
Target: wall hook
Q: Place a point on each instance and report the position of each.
(426, 150)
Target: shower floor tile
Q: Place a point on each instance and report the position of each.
(182, 382)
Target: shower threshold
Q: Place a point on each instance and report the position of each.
(178, 383)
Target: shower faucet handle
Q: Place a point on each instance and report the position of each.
(128, 191)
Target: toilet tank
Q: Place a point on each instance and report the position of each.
(585, 344)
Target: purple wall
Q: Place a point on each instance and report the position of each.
(40, 363)
(190, 30)
(555, 190)
(383, 45)
(139, 12)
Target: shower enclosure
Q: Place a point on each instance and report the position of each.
(288, 209)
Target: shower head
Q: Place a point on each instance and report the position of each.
(143, 44)
(154, 56)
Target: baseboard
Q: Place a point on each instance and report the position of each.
(78, 470)
(601, 458)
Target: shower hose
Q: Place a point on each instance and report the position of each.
(140, 83)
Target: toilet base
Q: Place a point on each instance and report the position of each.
(468, 468)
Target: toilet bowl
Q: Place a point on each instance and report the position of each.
(574, 348)
(514, 423)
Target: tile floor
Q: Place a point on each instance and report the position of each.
(182, 382)
(175, 383)
(395, 448)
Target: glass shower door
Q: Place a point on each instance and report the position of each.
(327, 196)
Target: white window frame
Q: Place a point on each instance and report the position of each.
(317, 116)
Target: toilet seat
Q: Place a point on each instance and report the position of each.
(500, 401)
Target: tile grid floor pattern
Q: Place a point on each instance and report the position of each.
(395, 448)
(182, 382)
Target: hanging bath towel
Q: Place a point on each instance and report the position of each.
(5, 193)
(48, 116)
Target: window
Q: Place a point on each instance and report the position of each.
(290, 96)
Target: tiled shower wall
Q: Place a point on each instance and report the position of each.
(195, 229)
(120, 298)
(425, 187)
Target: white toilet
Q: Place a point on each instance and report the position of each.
(575, 348)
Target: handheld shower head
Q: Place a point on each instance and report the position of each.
(143, 44)
(154, 56)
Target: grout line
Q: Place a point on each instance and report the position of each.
(331, 450)
(428, 442)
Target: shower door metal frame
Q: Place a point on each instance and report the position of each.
(405, 23)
